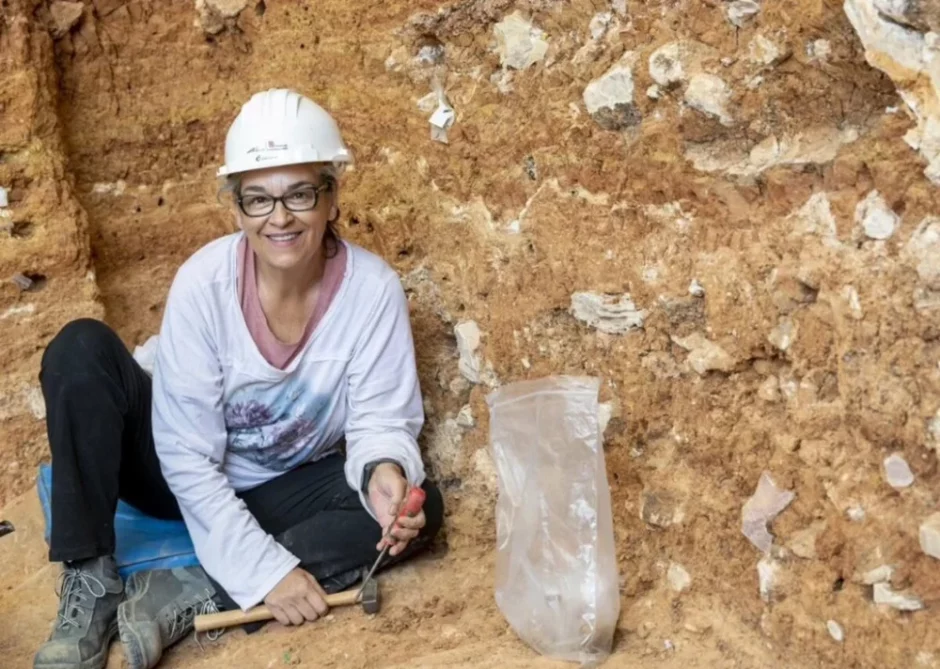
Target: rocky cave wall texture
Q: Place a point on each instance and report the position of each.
(727, 211)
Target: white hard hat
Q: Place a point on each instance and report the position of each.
(281, 127)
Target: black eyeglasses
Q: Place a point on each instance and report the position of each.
(262, 204)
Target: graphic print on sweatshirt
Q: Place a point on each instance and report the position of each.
(274, 426)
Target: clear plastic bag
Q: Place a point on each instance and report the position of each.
(556, 567)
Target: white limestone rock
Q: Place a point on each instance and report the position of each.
(519, 43)
(679, 579)
(883, 594)
(704, 355)
(609, 98)
(875, 217)
(909, 56)
(612, 314)
(930, 535)
(740, 12)
(767, 502)
(897, 472)
(710, 95)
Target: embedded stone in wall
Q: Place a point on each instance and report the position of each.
(815, 217)
(710, 95)
(613, 314)
(922, 15)
(764, 52)
(767, 502)
(468, 342)
(783, 335)
(898, 473)
(65, 16)
(911, 58)
(814, 146)
(875, 217)
(923, 251)
(519, 43)
(609, 98)
(835, 631)
(704, 355)
(740, 12)
(676, 62)
(214, 13)
(929, 535)
(883, 594)
(679, 579)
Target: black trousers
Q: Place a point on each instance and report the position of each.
(98, 421)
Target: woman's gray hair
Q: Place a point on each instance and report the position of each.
(329, 173)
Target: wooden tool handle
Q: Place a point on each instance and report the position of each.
(213, 621)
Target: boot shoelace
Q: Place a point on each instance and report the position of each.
(187, 615)
(73, 588)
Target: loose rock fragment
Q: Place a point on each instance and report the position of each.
(898, 600)
(465, 417)
(815, 217)
(819, 50)
(897, 472)
(4, 199)
(856, 514)
(609, 98)
(767, 570)
(880, 574)
(599, 24)
(65, 16)
(783, 335)
(878, 221)
(923, 251)
(468, 342)
(740, 12)
(22, 281)
(769, 390)
(520, 44)
(710, 95)
(704, 355)
(675, 62)
(908, 56)
(764, 505)
(835, 630)
(678, 577)
(850, 295)
(441, 120)
(660, 509)
(608, 313)
(764, 52)
(930, 535)
(696, 289)
(213, 14)
(803, 542)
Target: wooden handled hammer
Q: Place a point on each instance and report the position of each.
(369, 599)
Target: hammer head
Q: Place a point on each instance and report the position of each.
(370, 596)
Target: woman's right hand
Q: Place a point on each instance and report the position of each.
(297, 598)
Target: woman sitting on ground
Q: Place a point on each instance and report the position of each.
(280, 345)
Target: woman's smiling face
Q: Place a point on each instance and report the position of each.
(282, 238)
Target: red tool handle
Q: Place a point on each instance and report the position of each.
(413, 503)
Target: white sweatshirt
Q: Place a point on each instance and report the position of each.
(224, 419)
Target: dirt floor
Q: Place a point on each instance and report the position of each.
(739, 159)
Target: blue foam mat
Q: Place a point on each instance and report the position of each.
(142, 542)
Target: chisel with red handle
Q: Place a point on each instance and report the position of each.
(411, 508)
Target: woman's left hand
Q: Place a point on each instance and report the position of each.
(387, 490)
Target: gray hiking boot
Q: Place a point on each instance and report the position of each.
(159, 611)
(89, 594)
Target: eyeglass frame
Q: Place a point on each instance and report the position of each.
(283, 200)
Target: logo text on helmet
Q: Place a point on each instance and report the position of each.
(268, 146)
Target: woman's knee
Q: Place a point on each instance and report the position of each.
(77, 344)
(433, 509)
